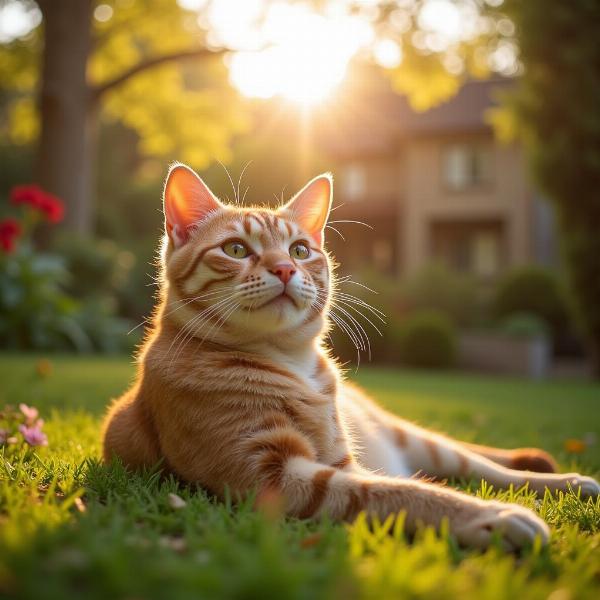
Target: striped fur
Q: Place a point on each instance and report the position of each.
(236, 391)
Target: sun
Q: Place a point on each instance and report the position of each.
(305, 57)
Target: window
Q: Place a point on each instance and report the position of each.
(465, 166)
(354, 181)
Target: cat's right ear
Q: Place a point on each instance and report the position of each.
(187, 200)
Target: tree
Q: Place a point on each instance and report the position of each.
(556, 110)
(98, 59)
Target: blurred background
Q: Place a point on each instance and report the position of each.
(462, 135)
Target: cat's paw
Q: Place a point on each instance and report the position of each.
(588, 485)
(516, 527)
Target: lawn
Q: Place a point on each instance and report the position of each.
(69, 527)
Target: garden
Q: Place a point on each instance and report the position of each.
(99, 97)
(72, 527)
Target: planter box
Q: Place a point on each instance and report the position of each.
(509, 355)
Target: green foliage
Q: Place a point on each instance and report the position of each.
(97, 267)
(432, 288)
(431, 73)
(556, 107)
(436, 287)
(65, 300)
(524, 324)
(532, 290)
(187, 111)
(35, 312)
(427, 339)
(72, 527)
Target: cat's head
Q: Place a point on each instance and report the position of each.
(234, 274)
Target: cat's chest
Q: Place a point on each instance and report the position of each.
(315, 411)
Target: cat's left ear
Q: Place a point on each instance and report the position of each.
(187, 200)
(311, 205)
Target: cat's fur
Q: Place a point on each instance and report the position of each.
(236, 391)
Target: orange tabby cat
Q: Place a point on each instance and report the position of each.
(236, 390)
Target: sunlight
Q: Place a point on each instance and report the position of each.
(17, 20)
(305, 55)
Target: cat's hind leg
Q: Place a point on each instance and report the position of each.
(420, 451)
(520, 459)
(128, 434)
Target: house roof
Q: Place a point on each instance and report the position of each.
(371, 121)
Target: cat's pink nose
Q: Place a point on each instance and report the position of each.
(284, 271)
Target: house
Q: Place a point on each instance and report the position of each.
(434, 185)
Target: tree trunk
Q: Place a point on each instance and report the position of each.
(66, 145)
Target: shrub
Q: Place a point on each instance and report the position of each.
(435, 287)
(38, 309)
(97, 267)
(524, 325)
(535, 291)
(427, 339)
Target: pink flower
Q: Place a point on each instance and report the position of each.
(4, 434)
(34, 436)
(30, 412)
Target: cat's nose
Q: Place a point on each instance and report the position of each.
(284, 271)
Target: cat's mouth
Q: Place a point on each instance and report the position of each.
(281, 299)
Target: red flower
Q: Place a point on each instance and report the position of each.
(34, 196)
(27, 194)
(52, 207)
(10, 229)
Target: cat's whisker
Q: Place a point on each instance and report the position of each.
(336, 295)
(357, 326)
(240, 181)
(352, 307)
(193, 330)
(350, 221)
(230, 181)
(187, 330)
(350, 298)
(358, 302)
(222, 320)
(348, 279)
(346, 327)
(185, 301)
(334, 229)
(205, 295)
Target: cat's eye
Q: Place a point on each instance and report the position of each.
(235, 250)
(299, 251)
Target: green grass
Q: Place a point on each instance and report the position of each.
(129, 543)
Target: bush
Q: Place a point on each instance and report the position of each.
(435, 287)
(97, 267)
(43, 303)
(427, 339)
(524, 325)
(34, 310)
(535, 291)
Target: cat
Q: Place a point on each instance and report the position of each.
(237, 391)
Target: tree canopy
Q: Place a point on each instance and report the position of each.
(151, 69)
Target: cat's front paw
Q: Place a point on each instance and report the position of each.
(516, 527)
(588, 485)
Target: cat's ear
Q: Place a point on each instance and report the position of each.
(186, 200)
(311, 205)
